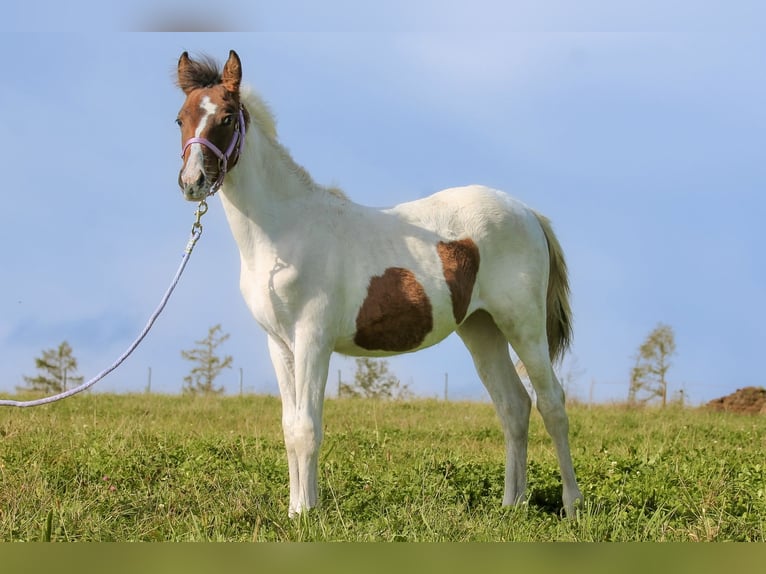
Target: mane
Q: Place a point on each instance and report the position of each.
(262, 116)
(260, 113)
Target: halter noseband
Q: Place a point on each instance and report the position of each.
(237, 138)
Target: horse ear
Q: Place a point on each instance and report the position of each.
(232, 73)
(184, 78)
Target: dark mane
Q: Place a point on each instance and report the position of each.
(201, 73)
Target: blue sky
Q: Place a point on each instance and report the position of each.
(644, 145)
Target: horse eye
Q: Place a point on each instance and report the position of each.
(227, 120)
(179, 122)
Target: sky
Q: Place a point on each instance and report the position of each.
(643, 143)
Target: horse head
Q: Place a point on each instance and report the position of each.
(212, 121)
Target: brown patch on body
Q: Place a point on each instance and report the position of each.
(460, 263)
(396, 315)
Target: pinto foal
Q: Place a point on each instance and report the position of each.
(322, 274)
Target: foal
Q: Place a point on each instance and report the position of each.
(322, 274)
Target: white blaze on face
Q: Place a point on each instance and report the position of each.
(196, 162)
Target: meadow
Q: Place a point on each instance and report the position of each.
(175, 468)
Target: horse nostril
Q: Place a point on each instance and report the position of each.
(187, 180)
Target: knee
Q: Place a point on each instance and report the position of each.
(306, 434)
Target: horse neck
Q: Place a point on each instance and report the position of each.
(267, 195)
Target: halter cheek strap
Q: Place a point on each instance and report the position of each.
(235, 146)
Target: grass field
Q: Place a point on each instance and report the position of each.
(154, 468)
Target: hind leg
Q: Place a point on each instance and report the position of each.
(528, 338)
(489, 349)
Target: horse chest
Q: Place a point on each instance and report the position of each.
(271, 293)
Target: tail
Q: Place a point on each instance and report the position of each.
(559, 314)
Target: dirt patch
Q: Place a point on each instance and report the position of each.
(751, 400)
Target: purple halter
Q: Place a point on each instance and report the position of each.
(237, 138)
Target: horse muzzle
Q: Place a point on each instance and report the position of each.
(194, 188)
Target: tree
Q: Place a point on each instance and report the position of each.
(57, 367)
(208, 364)
(373, 380)
(648, 378)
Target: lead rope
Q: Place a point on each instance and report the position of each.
(196, 232)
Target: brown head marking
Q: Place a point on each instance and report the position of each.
(460, 263)
(396, 315)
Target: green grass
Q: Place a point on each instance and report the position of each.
(123, 468)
